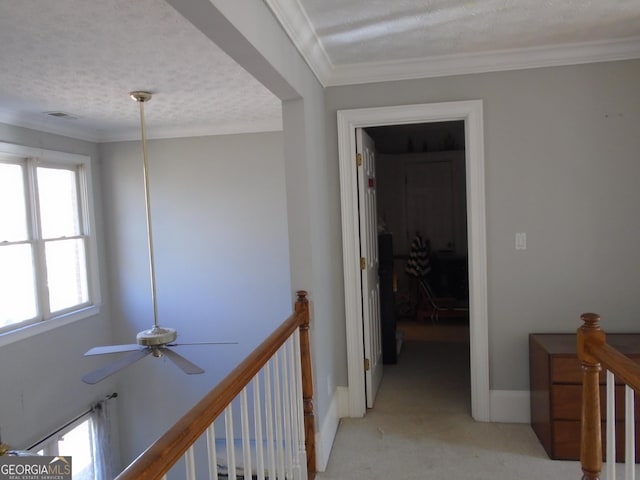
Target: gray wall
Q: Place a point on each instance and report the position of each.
(259, 44)
(40, 375)
(562, 164)
(222, 263)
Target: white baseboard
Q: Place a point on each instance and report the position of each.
(510, 406)
(342, 393)
(338, 408)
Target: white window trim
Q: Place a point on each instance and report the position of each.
(93, 275)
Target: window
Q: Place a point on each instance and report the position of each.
(76, 442)
(47, 248)
(87, 440)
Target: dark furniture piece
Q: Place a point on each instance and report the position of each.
(387, 298)
(555, 377)
(449, 275)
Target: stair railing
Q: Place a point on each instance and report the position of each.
(277, 443)
(595, 354)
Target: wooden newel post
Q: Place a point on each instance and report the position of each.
(302, 306)
(591, 437)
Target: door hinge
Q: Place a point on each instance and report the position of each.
(359, 159)
(367, 365)
(363, 263)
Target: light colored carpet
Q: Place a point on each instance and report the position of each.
(421, 428)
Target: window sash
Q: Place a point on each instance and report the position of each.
(13, 214)
(78, 231)
(51, 204)
(63, 276)
(18, 280)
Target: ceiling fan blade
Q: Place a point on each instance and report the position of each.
(185, 365)
(201, 343)
(113, 349)
(102, 373)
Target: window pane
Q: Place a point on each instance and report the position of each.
(66, 273)
(77, 444)
(17, 285)
(13, 216)
(58, 202)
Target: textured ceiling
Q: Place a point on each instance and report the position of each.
(83, 57)
(355, 31)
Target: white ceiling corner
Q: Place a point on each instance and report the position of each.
(296, 23)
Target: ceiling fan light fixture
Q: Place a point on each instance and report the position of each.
(156, 336)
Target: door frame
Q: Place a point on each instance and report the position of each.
(471, 112)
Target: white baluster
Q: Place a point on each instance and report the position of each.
(257, 415)
(611, 426)
(293, 401)
(286, 411)
(629, 431)
(246, 434)
(231, 451)
(190, 464)
(269, 420)
(211, 448)
(278, 417)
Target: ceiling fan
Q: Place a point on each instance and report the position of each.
(157, 340)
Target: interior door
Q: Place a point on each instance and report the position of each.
(369, 265)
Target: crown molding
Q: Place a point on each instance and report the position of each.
(122, 135)
(54, 127)
(226, 128)
(295, 22)
(503, 60)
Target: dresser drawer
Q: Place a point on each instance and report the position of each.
(566, 370)
(566, 401)
(566, 444)
(569, 370)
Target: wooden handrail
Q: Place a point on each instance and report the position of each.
(594, 353)
(158, 458)
(622, 366)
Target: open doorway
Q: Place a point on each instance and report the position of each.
(470, 112)
(422, 233)
(423, 250)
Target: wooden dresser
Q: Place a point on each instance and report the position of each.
(555, 378)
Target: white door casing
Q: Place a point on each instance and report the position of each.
(372, 329)
(348, 121)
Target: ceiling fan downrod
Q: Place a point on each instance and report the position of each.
(157, 335)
